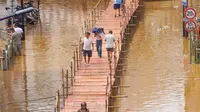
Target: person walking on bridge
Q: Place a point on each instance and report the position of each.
(116, 7)
(83, 107)
(99, 37)
(110, 40)
(88, 46)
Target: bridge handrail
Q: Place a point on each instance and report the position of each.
(94, 15)
(68, 78)
(129, 10)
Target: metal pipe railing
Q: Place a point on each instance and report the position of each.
(120, 46)
(68, 82)
(94, 15)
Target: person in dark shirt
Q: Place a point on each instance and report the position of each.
(83, 107)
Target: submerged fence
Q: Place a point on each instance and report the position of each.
(129, 23)
(8, 50)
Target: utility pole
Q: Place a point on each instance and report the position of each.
(12, 11)
(22, 22)
(38, 4)
(185, 33)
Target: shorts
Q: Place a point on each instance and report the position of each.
(87, 52)
(116, 6)
(110, 49)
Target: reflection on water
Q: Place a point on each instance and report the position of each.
(47, 49)
(158, 69)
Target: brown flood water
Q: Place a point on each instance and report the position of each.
(47, 50)
(158, 70)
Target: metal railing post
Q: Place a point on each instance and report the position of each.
(71, 74)
(82, 30)
(67, 77)
(107, 94)
(87, 24)
(55, 110)
(63, 86)
(91, 16)
(58, 106)
(107, 85)
(99, 10)
(77, 60)
(106, 105)
(80, 50)
(115, 57)
(74, 58)
(110, 75)
(118, 48)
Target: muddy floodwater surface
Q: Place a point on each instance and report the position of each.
(46, 50)
(158, 70)
(159, 74)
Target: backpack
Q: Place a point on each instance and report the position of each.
(94, 30)
(98, 30)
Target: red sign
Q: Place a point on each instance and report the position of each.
(190, 26)
(190, 13)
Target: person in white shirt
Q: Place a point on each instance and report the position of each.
(18, 29)
(110, 40)
(87, 47)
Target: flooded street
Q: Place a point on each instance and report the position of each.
(47, 49)
(158, 70)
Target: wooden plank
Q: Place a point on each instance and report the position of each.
(121, 86)
(119, 96)
(114, 106)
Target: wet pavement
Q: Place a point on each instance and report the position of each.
(47, 49)
(158, 70)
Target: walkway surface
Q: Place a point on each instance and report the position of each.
(90, 81)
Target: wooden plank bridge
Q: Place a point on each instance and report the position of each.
(92, 84)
